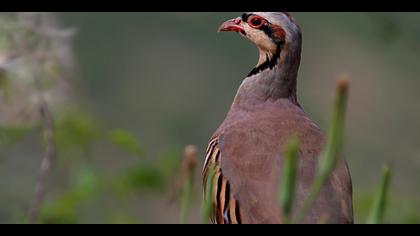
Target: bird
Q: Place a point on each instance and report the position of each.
(244, 156)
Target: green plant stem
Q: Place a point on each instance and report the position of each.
(289, 178)
(329, 155)
(186, 198)
(379, 203)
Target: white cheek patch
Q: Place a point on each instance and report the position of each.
(259, 38)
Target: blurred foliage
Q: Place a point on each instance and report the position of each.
(139, 178)
(125, 141)
(11, 135)
(64, 208)
(75, 134)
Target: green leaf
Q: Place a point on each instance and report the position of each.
(87, 182)
(125, 141)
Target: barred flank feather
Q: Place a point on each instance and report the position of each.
(225, 206)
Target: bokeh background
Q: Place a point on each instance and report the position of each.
(142, 86)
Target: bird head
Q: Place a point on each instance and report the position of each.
(279, 40)
(269, 31)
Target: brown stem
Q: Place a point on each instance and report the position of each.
(46, 163)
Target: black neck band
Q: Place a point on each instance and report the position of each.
(269, 63)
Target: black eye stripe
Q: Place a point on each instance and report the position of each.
(246, 16)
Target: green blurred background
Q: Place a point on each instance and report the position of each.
(145, 85)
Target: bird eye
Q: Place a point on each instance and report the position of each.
(255, 22)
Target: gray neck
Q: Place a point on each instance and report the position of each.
(278, 82)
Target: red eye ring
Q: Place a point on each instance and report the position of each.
(256, 21)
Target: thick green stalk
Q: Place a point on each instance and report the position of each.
(329, 155)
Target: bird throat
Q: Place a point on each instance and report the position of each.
(273, 79)
(271, 60)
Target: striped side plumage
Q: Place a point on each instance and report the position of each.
(225, 206)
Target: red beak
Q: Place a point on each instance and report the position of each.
(232, 25)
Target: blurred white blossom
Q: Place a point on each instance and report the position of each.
(33, 47)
